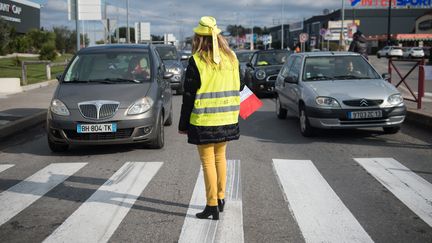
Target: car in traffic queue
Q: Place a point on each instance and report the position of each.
(172, 60)
(390, 51)
(111, 94)
(332, 90)
(243, 56)
(262, 70)
(185, 54)
(413, 52)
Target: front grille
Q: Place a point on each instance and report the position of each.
(120, 134)
(88, 111)
(107, 110)
(271, 78)
(363, 102)
(97, 110)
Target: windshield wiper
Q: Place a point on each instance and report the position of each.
(76, 81)
(115, 80)
(319, 78)
(350, 77)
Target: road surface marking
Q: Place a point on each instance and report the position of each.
(229, 227)
(100, 215)
(321, 215)
(23, 194)
(4, 167)
(414, 191)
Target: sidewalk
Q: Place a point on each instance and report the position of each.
(24, 110)
(29, 108)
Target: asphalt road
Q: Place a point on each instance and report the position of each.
(339, 197)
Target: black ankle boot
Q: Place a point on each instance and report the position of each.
(209, 211)
(221, 204)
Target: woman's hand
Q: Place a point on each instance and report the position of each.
(182, 132)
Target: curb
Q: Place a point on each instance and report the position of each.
(22, 123)
(419, 119)
(38, 85)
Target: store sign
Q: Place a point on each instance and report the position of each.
(395, 3)
(10, 8)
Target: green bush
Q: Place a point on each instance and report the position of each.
(48, 52)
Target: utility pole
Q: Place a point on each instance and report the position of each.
(77, 26)
(389, 23)
(282, 25)
(342, 36)
(127, 21)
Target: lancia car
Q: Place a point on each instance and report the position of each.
(111, 94)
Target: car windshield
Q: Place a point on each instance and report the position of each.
(271, 58)
(167, 53)
(337, 68)
(244, 56)
(109, 68)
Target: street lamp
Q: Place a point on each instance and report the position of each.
(282, 25)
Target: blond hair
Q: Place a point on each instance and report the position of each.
(202, 45)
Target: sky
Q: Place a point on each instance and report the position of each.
(180, 16)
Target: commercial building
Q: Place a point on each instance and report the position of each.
(372, 22)
(21, 14)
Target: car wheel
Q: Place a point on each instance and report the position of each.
(169, 121)
(57, 147)
(391, 130)
(280, 112)
(379, 56)
(305, 128)
(159, 140)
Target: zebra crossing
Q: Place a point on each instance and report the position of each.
(319, 212)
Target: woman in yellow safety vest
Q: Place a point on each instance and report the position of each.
(210, 109)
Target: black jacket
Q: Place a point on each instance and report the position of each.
(201, 134)
(359, 45)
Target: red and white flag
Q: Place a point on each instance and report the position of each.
(249, 102)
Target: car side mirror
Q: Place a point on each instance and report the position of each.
(249, 65)
(58, 77)
(168, 75)
(386, 76)
(290, 79)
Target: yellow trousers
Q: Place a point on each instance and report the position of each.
(213, 159)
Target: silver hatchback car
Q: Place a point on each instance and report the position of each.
(337, 90)
(111, 94)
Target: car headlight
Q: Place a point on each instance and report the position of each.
(57, 107)
(175, 70)
(140, 106)
(327, 102)
(260, 75)
(395, 99)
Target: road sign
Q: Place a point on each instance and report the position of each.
(304, 37)
(323, 32)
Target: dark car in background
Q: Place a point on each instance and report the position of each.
(243, 56)
(185, 54)
(262, 70)
(172, 60)
(111, 94)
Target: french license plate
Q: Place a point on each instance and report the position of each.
(96, 128)
(364, 114)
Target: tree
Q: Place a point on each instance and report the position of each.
(62, 42)
(5, 38)
(38, 38)
(123, 34)
(48, 52)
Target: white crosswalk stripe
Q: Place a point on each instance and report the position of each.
(4, 167)
(321, 215)
(229, 228)
(414, 191)
(22, 195)
(100, 215)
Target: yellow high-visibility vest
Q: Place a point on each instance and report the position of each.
(217, 102)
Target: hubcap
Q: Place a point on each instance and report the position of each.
(277, 106)
(302, 120)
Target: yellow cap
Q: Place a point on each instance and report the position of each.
(207, 27)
